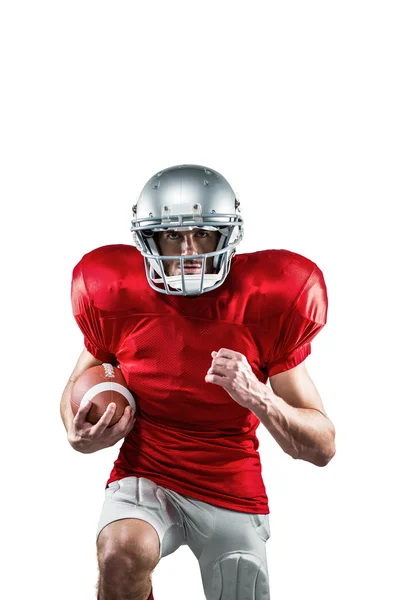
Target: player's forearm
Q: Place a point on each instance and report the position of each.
(303, 433)
(67, 415)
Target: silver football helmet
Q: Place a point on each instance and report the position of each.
(182, 198)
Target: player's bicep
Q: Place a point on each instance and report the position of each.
(85, 361)
(296, 387)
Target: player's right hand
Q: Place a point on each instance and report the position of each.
(86, 438)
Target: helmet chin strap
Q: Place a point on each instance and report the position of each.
(192, 282)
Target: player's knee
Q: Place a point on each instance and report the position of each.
(127, 546)
(237, 575)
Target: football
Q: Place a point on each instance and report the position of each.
(102, 385)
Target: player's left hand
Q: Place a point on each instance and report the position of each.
(231, 370)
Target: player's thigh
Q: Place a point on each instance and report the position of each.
(234, 562)
(140, 499)
(128, 541)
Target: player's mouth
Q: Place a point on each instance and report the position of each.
(192, 269)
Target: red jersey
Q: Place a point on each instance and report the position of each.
(191, 436)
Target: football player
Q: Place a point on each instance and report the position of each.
(197, 332)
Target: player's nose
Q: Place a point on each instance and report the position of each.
(189, 246)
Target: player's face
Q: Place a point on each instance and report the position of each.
(187, 243)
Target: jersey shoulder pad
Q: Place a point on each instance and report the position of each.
(108, 277)
(277, 274)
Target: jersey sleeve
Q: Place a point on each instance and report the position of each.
(89, 319)
(304, 320)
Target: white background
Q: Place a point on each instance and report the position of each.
(297, 105)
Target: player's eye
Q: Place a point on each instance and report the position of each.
(202, 234)
(173, 235)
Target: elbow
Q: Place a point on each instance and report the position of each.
(320, 455)
(326, 457)
(329, 450)
(324, 460)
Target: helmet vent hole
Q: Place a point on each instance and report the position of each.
(206, 183)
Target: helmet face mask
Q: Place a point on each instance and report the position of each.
(190, 243)
(183, 198)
